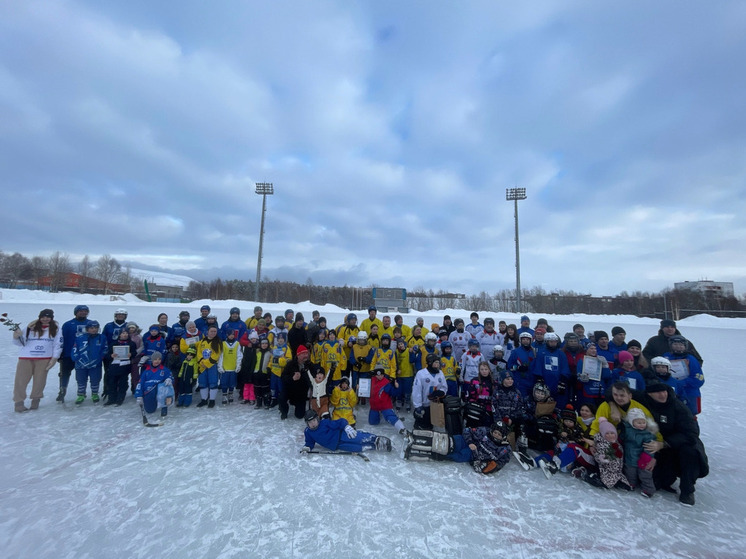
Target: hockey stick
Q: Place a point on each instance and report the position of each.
(347, 452)
(145, 419)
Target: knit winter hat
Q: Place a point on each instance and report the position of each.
(568, 413)
(261, 322)
(655, 387)
(618, 330)
(298, 317)
(635, 413)
(634, 343)
(625, 356)
(505, 374)
(156, 355)
(598, 334)
(605, 426)
(667, 322)
(301, 349)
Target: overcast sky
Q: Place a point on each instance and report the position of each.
(390, 131)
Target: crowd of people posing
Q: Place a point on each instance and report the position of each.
(604, 409)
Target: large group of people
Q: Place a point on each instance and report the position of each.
(612, 412)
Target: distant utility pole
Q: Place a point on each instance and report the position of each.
(516, 194)
(265, 189)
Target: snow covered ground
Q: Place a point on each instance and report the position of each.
(93, 482)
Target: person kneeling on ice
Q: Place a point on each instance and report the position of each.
(339, 435)
(382, 394)
(490, 449)
(155, 389)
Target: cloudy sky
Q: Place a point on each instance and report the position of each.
(390, 131)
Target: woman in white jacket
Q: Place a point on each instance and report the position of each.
(41, 345)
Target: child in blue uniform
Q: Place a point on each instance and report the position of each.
(88, 355)
(339, 435)
(155, 389)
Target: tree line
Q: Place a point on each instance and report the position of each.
(18, 270)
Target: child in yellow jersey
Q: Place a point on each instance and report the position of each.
(449, 367)
(384, 358)
(373, 338)
(208, 353)
(228, 364)
(316, 349)
(332, 357)
(361, 356)
(281, 354)
(344, 400)
(405, 360)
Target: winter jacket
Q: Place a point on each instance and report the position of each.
(551, 365)
(688, 372)
(382, 393)
(633, 439)
(35, 346)
(658, 346)
(508, 402)
(479, 391)
(297, 390)
(150, 378)
(89, 351)
(487, 448)
(425, 383)
(238, 325)
(520, 363)
(327, 434)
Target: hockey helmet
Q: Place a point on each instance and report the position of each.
(120, 311)
(430, 337)
(79, 308)
(431, 358)
(92, 324)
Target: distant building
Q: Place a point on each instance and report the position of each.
(707, 287)
(76, 282)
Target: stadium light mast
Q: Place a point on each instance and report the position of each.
(265, 189)
(516, 194)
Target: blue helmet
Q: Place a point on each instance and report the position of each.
(473, 342)
(351, 316)
(205, 308)
(79, 308)
(93, 324)
(445, 345)
(235, 310)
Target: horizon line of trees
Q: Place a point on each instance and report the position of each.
(17, 269)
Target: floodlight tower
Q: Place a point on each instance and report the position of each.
(265, 189)
(516, 194)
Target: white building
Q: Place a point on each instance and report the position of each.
(717, 288)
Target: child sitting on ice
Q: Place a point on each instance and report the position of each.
(490, 449)
(344, 400)
(155, 389)
(609, 455)
(638, 430)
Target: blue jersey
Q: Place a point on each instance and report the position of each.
(89, 351)
(70, 331)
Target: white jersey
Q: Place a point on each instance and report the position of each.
(459, 341)
(425, 384)
(488, 341)
(470, 365)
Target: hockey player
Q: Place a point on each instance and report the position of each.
(520, 364)
(429, 348)
(333, 357)
(70, 331)
(361, 356)
(498, 363)
(428, 382)
(208, 353)
(460, 339)
(88, 355)
(228, 363)
(201, 322)
(234, 323)
(593, 377)
(344, 400)
(281, 355)
(686, 368)
(339, 435)
(405, 361)
(155, 389)
(470, 362)
(551, 365)
(488, 338)
(450, 368)
(371, 320)
(382, 393)
(384, 358)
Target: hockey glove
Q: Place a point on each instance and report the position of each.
(350, 431)
(168, 382)
(419, 413)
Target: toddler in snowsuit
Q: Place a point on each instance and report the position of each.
(638, 429)
(609, 455)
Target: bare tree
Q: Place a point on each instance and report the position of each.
(85, 269)
(15, 267)
(59, 267)
(107, 270)
(39, 269)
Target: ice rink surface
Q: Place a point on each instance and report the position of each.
(92, 482)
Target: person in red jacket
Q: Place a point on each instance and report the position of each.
(382, 393)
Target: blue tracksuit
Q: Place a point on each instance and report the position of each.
(551, 365)
(88, 354)
(148, 387)
(520, 364)
(331, 434)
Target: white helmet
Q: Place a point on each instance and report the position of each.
(551, 336)
(498, 348)
(120, 311)
(431, 337)
(660, 361)
(362, 335)
(525, 335)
